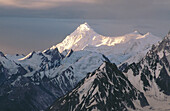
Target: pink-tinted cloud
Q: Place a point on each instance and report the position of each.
(38, 4)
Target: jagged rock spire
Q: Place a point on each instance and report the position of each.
(168, 33)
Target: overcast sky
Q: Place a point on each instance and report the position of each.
(96, 9)
(27, 25)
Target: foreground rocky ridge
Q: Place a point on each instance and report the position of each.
(105, 89)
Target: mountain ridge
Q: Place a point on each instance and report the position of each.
(52, 74)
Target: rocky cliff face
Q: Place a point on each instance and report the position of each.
(153, 71)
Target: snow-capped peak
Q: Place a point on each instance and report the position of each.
(28, 56)
(85, 38)
(148, 33)
(84, 27)
(136, 32)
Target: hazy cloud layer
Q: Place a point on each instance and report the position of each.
(38, 4)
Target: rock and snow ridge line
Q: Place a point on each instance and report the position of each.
(127, 48)
(105, 89)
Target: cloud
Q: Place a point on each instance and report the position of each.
(87, 9)
(39, 4)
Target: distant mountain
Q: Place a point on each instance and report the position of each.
(21, 93)
(43, 77)
(129, 48)
(9, 64)
(9, 68)
(105, 89)
(39, 60)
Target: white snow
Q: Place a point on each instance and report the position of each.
(34, 61)
(158, 69)
(155, 104)
(135, 80)
(82, 63)
(77, 65)
(14, 57)
(10, 65)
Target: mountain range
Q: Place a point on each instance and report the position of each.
(88, 71)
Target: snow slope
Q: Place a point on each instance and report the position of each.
(9, 64)
(14, 57)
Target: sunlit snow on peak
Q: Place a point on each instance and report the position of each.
(27, 56)
(85, 38)
(84, 27)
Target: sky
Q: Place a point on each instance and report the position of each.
(27, 25)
